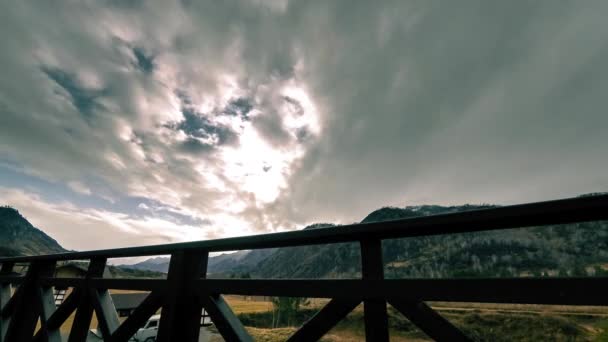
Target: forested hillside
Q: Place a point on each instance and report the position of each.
(19, 237)
(565, 250)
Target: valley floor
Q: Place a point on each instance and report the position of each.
(482, 322)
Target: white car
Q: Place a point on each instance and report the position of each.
(149, 330)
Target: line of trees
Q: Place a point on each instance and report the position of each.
(285, 310)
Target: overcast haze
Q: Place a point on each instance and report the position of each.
(139, 122)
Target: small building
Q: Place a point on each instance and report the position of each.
(76, 270)
(125, 303)
(71, 270)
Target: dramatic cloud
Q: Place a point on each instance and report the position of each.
(97, 228)
(169, 121)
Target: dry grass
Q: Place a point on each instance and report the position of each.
(398, 264)
(270, 335)
(127, 291)
(534, 321)
(522, 308)
(344, 335)
(335, 335)
(347, 333)
(240, 305)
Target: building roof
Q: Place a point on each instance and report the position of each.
(77, 267)
(81, 269)
(124, 301)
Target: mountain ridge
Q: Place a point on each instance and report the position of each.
(579, 249)
(19, 237)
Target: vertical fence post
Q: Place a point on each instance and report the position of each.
(107, 317)
(27, 309)
(84, 312)
(203, 275)
(181, 311)
(6, 290)
(47, 305)
(225, 321)
(372, 268)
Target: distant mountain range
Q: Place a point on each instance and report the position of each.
(560, 250)
(19, 237)
(158, 264)
(219, 264)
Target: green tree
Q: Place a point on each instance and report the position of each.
(285, 310)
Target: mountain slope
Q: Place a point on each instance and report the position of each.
(568, 250)
(19, 237)
(157, 264)
(226, 263)
(560, 250)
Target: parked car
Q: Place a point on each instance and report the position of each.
(148, 332)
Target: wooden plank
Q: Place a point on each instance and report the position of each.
(61, 314)
(324, 320)
(5, 298)
(225, 320)
(9, 304)
(372, 268)
(105, 311)
(181, 310)
(372, 288)
(138, 318)
(47, 303)
(28, 308)
(84, 312)
(220, 313)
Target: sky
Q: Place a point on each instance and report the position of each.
(139, 122)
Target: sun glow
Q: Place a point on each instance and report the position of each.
(261, 168)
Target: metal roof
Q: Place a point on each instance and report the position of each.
(124, 301)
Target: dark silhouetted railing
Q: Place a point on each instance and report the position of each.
(186, 290)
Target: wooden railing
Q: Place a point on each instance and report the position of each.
(186, 290)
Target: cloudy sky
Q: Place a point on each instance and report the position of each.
(140, 122)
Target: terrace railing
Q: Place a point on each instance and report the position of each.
(186, 290)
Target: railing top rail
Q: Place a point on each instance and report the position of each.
(579, 209)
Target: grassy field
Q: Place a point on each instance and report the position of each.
(482, 322)
(241, 306)
(237, 303)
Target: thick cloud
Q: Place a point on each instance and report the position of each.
(259, 115)
(452, 103)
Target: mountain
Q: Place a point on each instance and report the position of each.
(579, 249)
(19, 237)
(158, 264)
(225, 263)
(238, 262)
